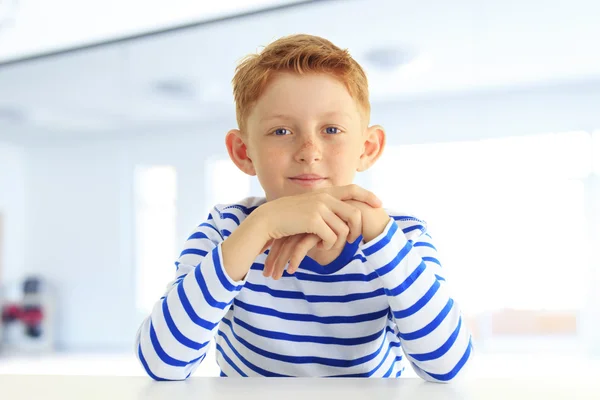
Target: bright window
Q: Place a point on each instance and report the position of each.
(226, 183)
(155, 225)
(596, 151)
(507, 215)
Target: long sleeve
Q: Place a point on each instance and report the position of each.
(433, 334)
(174, 339)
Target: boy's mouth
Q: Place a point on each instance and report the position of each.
(307, 179)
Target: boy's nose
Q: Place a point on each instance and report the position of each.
(308, 153)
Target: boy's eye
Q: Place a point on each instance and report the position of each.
(281, 132)
(332, 130)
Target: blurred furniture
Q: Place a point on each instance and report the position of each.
(511, 322)
(27, 323)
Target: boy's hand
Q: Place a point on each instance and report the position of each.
(295, 248)
(323, 213)
(292, 248)
(374, 219)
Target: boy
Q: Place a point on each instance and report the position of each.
(345, 284)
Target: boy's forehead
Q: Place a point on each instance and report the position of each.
(319, 95)
(265, 117)
(281, 81)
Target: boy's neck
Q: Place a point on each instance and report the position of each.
(324, 257)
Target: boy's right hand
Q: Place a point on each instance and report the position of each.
(322, 213)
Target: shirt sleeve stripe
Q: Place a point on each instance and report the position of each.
(443, 349)
(220, 274)
(431, 326)
(407, 282)
(395, 261)
(176, 333)
(381, 243)
(205, 292)
(209, 326)
(448, 376)
(419, 304)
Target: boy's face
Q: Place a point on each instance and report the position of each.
(305, 132)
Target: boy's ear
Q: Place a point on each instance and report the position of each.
(238, 152)
(373, 147)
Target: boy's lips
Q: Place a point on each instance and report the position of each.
(307, 179)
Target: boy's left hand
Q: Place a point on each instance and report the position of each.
(295, 248)
(374, 220)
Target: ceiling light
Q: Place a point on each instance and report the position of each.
(12, 114)
(389, 57)
(174, 88)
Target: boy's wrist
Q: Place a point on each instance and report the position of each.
(374, 220)
(258, 221)
(377, 220)
(244, 244)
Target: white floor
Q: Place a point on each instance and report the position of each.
(483, 365)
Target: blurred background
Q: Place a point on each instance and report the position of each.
(112, 123)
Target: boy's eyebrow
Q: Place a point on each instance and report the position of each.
(324, 115)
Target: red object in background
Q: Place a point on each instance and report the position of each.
(29, 315)
(10, 313)
(32, 315)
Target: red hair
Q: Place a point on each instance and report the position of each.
(300, 54)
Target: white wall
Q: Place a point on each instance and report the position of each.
(504, 112)
(13, 210)
(80, 199)
(82, 226)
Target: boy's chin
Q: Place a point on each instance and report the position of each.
(293, 192)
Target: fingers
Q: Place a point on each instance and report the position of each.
(266, 246)
(272, 257)
(338, 225)
(355, 192)
(335, 222)
(293, 250)
(350, 215)
(300, 250)
(353, 218)
(322, 229)
(284, 255)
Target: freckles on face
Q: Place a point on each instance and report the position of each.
(304, 124)
(273, 155)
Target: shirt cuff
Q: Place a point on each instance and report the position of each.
(391, 255)
(219, 277)
(388, 241)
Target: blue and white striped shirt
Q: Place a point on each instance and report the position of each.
(355, 317)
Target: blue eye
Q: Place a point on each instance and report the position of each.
(332, 130)
(281, 132)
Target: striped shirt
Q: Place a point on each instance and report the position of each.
(358, 316)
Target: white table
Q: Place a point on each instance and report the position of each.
(50, 387)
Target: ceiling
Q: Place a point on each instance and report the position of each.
(181, 77)
(33, 27)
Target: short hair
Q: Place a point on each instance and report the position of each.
(299, 54)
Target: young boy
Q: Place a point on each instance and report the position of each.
(346, 285)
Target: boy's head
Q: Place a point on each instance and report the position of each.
(302, 108)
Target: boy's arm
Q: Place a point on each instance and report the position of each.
(173, 340)
(434, 337)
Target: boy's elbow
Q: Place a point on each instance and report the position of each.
(172, 375)
(452, 376)
(164, 372)
(456, 373)
(160, 371)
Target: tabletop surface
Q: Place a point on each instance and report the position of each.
(49, 387)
